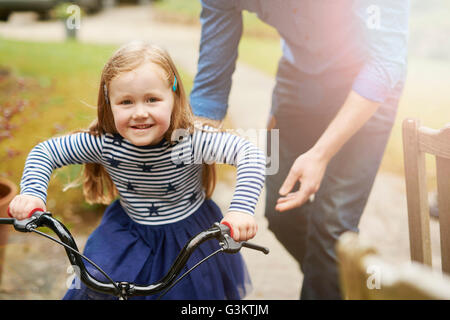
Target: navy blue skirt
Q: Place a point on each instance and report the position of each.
(142, 254)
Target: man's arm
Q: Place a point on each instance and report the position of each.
(386, 28)
(385, 34)
(220, 36)
(310, 167)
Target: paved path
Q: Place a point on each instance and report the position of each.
(275, 276)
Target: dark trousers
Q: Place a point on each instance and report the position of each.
(303, 106)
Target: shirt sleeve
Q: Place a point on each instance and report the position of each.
(212, 146)
(54, 153)
(385, 32)
(220, 35)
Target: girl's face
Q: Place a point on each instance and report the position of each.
(141, 103)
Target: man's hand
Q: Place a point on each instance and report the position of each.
(308, 169)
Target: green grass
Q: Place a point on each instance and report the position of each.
(59, 90)
(190, 9)
(260, 53)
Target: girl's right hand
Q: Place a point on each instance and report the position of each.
(22, 204)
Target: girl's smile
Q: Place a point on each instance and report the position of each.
(142, 102)
(141, 128)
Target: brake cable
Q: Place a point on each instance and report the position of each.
(187, 272)
(81, 255)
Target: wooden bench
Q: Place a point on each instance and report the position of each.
(364, 275)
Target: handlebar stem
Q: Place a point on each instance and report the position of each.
(178, 265)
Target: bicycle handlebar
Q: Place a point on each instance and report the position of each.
(217, 231)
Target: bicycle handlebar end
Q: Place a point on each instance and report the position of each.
(256, 247)
(7, 220)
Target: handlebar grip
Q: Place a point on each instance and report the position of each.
(29, 214)
(7, 220)
(229, 227)
(35, 210)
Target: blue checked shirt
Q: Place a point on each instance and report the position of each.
(318, 37)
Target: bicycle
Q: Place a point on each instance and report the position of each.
(122, 289)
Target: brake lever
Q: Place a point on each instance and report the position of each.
(230, 246)
(26, 225)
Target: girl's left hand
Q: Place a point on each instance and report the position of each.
(243, 225)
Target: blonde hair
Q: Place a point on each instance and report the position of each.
(97, 184)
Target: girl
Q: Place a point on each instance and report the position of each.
(144, 148)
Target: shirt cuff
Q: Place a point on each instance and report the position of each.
(370, 85)
(241, 207)
(35, 193)
(207, 108)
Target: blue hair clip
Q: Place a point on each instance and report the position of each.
(174, 87)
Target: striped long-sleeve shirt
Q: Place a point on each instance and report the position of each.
(158, 184)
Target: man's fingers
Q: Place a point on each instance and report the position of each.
(289, 204)
(295, 199)
(289, 182)
(288, 197)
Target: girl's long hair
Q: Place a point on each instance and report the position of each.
(97, 184)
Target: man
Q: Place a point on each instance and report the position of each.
(337, 90)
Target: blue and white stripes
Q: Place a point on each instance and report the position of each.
(157, 184)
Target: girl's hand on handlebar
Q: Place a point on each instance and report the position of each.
(22, 205)
(243, 225)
